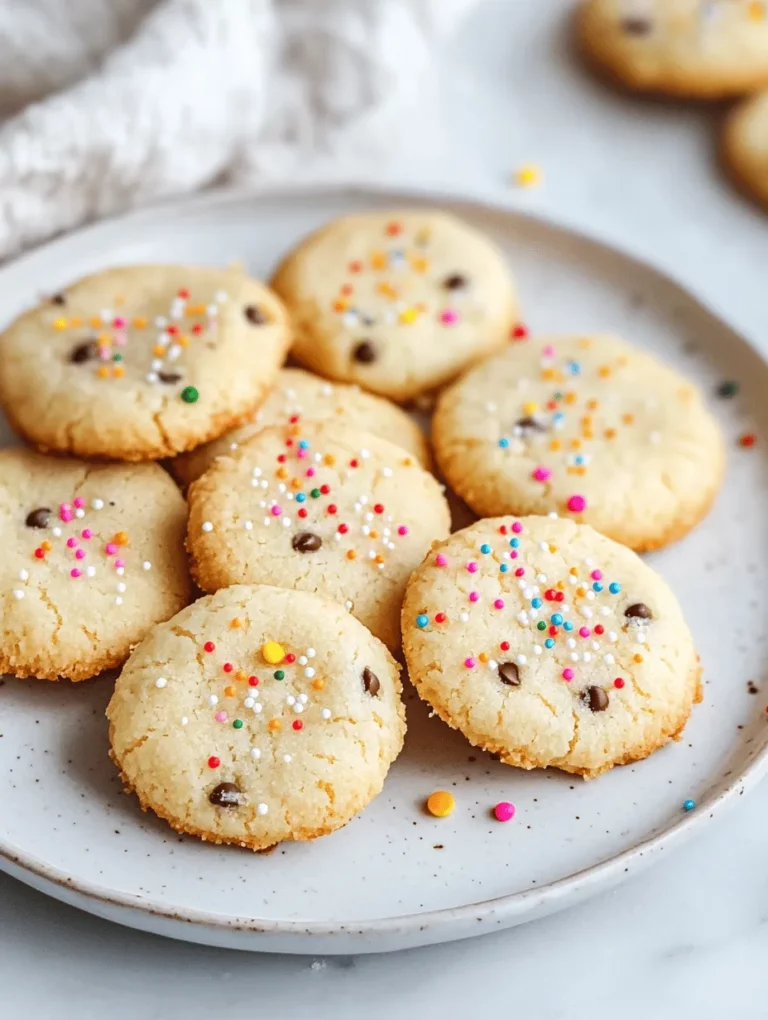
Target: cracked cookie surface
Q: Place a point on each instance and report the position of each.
(257, 715)
(550, 645)
(142, 362)
(93, 556)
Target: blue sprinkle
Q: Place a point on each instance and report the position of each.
(303, 443)
(514, 542)
(504, 568)
(559, 416)
(574, 367)
(485, 548)
(614, 587)
(536, 603)
(578, 459)
(422, 621)
(557, 619)
(300, 497)
(689, 805)
(549, 643)
(597, 586)
(504, 443)
(567, 625)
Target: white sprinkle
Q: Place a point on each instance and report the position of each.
(298, 707)
(173, 352)
(79, 513)
(290, 700)
(591, 596)
(264, 483)
(302, 660)
(537, 649)
(213, 699)
(522, 617)
(464, 617)
(544, 546)
(608, 659)
(262, 809)
(589, 562)
(574, 656)
(106, 315)
(118, 600)
(571, 642)
(286, 522)
(119, 571)
(596, 646)
(207, 526)
(266, 522)
(613, 637)
(521, 660)
(326, 713)
(348, 605)
(311, 653)
(18, 593)
(161, 322)
(541, 578)
(365, 529)
(23, 575)
(528, 592)
(586, 612)
(157, 364)
(587, 657)
(146, 565)
(287, 759)
(386, 472)
(641, 637)
(258, 708)
(151, 377)
(248, 525)
(655, 437)
(161, 682)
(222, 297)
(309, 672)
(249, 702)
(492, 664)
(303, 698)
(97, 504)
(365, 454)
(606, 610)
(57, 532)
(90, 571)
(255, 753)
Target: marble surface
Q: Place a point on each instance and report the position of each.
(689, 937)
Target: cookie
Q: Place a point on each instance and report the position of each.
(320, 508)
(550, 645)
(301, 396)
(745, 146)
(398, 302)
(142, 362)
(93, 556)
(707, 49)
(257, 715)
(582, 425)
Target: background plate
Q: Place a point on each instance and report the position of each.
(395, 877)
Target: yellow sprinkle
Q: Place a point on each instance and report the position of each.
(440, 803)
(408, 316)
(272, 652)
(756, 10)
(386, 289)
(60, 323)
(527, 176)
(530, 407)
(552, 548)
(235, 623)
(419, 264)
(378, 259)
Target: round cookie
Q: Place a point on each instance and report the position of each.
(257, 715)
(399, 302)
(302, 396)
(707, 49)
(582, 425)
(93, 556)
(550, 645)
(745, 146)
(142, 362)
(318, 507)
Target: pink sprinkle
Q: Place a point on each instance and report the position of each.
(513, 554)
(302, 454)
(541, 473)
(120, 339)
(74, 572)
(221, 717)
(520, 572)
(402, 530)
(80, 554)
(470, 663)
(105, 353)
(568, 674)
(474, 596)
(86, 533)
(449, 316)
(110, 548)
(441, 560)
(504, 811)
(549, 351)
(596, 575)
(71, 543)
(517, 527)
(276, 510)
(576, 504)
(79, 502)
(119, 564)
(584, 632)
(310, 472)
(118, 322)
(65, 512)
(472, 567)
(498, 604)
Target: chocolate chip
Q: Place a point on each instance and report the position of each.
(255, 315)
(509, 674)
(226, 795)
(371, 684)
(306, 541)
(638, 611)
(637, 26)
(455, 282)
(596, 698)
(38, 518)
(86, 351)
(169, 377)
(365, 352)
(58, 299)
(528, 424)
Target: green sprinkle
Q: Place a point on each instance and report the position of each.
(279, 674)
(117, 357)
(238, 724)
(729, 388)
(314, 493)
(558, 396)
(189, 395)
(541, 625)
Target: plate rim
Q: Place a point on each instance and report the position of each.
(445, 922)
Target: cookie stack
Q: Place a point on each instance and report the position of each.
(692, 49)
(270, 709)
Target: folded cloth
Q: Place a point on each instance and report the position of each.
(119, 102)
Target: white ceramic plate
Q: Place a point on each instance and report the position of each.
(395, 877)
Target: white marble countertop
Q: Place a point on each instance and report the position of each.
(688, 938)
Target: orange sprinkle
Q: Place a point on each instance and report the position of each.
(235, 623)
(627, 418)
(419, 264)
(407, 462)
(318, 684)
(329, 459)
(547, 373)
(102, 372)
(294, 430)
(182, 341)
(230, 691)
(610, 433)
(386, 289)
(96, 322)
(393, 229)
(241, 675)
(104, 338)
(373, 533)
(581, 591)
(120, 538)
(570, 397)
(637, 658)
(198, 309)
(118, 371)
(586, 421)
(295, 483)
(592, 405)
(604, 371)
(158, 351)
(340, 306)
(351, 554)
(275, 724)
(573, 571)
(553, 549)
(586, 342)
(76, 321)
(379, 559)
(581, 470)
(483, 656)
(555, 444)
(575, 444)
(46, 545)
(140, 322)
(378, 260)
(587, 434)
(347, 289)
(282, 472)
(356, 266)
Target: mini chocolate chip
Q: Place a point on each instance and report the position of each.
(637, 26)
(255, 315)
(365, 352)
(596, 698)
(371, 684)
(529, 424)
(169, 377)
(455, 282)
(226, 795)
(509, 674)
(638, 611)
(306, 541)
(38, 518)
(84, 352)
(58, 299)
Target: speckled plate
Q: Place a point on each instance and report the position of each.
(395, 877)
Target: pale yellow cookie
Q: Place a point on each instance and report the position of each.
(549, 645)
(93, 556)
(705, 49)
(582, 425)
(142, 362)
(745, 145)
(398, 302)
(299, 396)
(257, 715)
(320, 508)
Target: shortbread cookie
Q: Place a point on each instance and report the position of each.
(399, 302)
(320, 508)
(706, 49)
(301, 396)
(93, 556)
(549, 645)
(582, 425)
(142, 362)
(257, 715)
(745, 145)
